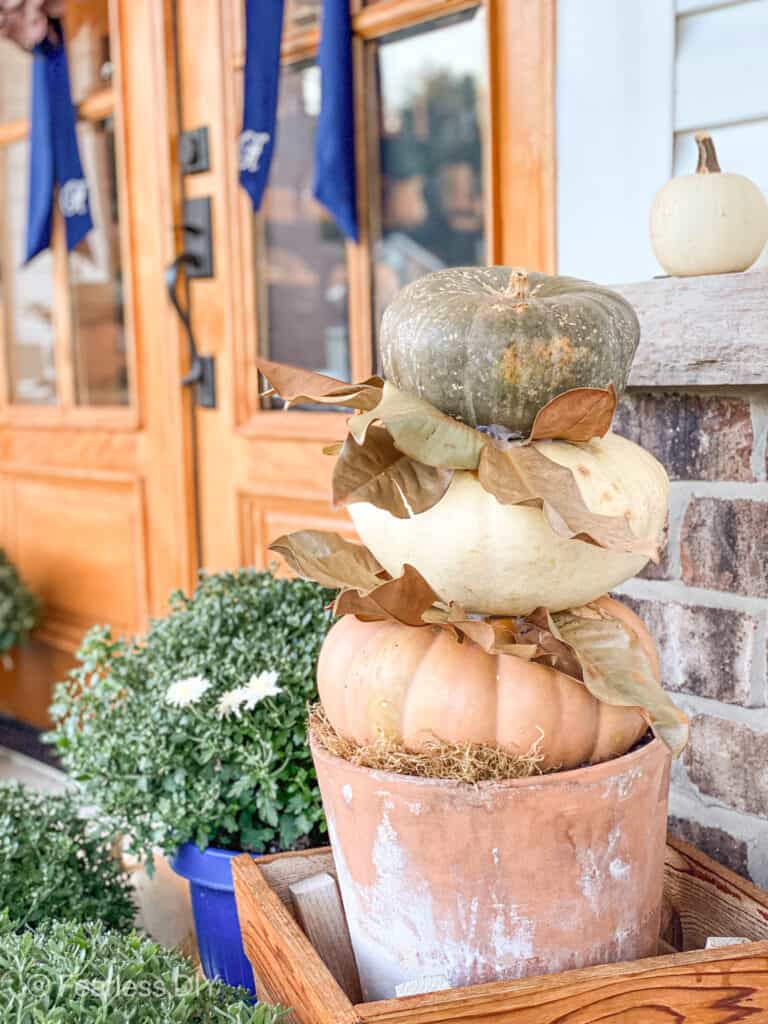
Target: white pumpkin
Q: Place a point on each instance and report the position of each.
(709, 222)
(506, 559)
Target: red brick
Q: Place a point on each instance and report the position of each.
(705, 651)
(715, 842)
(729, 761)
(660, 570)
(723, 545)
(696, 437)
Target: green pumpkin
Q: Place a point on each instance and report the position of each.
(492, 345)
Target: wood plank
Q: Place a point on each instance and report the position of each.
(521, 211)
(319, 912)
(283, 870)
(710, 899)
(715, 987)
(287, 969)
(700, 330)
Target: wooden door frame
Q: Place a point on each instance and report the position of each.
(241, 446)
(139, 458)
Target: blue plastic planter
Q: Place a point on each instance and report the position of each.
(209, 873)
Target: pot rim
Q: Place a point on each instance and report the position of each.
(210, 868)
(591, 774)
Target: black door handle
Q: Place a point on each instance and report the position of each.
(202, 370)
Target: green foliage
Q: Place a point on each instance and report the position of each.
(70, 973)
(56, 864)
(167, 775)
(19, 608)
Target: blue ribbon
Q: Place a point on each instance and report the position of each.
(54, 159)
(335, 139)
(263, 30)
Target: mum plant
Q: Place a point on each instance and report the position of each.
(71, 972)
(55, 863)
(19, 607)
(196, 732)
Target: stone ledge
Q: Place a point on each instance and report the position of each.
(701, 331)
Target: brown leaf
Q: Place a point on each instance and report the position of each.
(377, 472)
(404, 599)
(296, 385)
(421, 431)
(576, 415)
(329, 559)
(616, 670)
(333, 448)
(522, 475)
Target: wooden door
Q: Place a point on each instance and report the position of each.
(455, 162)
(96, 460)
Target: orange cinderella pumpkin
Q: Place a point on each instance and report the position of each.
(415, 684)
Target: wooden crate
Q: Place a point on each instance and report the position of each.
(702, 899)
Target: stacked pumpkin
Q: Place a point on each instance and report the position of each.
(496, 509)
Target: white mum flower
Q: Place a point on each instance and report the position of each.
(186, 691)
(231, 702)
(260, 686)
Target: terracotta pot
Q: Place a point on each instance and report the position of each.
(498, 880)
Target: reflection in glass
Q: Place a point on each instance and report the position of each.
(432, 83)
(302, 270)
(15, 72)
(301, 14)
(26, 292)
(87, 35)
(98, 333)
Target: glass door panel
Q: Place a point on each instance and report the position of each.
(432, 83)
(302, 287)
(95, 279)
(88, 52)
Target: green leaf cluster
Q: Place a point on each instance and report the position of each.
(19, 607)
(67, 972)
(165, 775)
(54, 863)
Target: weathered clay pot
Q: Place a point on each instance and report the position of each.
(498, 880)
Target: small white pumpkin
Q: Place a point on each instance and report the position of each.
(506, 559)
(709, 222)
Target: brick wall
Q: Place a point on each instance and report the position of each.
(706, 603)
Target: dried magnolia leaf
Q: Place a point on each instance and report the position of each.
(330, 560)
(421, 431)
(616, 670)
(576, 415)
(377, 472)
(522, 475)
(296, 385)
(404, 599)
(495, 634)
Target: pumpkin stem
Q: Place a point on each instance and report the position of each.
(708, 163)
(519, 285)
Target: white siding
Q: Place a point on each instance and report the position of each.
(614, 132)
(634, 82)
(721, 71)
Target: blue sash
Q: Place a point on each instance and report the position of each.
(263, 31)
(54, 159)
(335, 139)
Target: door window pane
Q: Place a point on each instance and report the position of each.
(15, 72)
(432, 84)
(300, 14)
(301, 264)
(87, 35)
(26, 292)
(96, 286)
